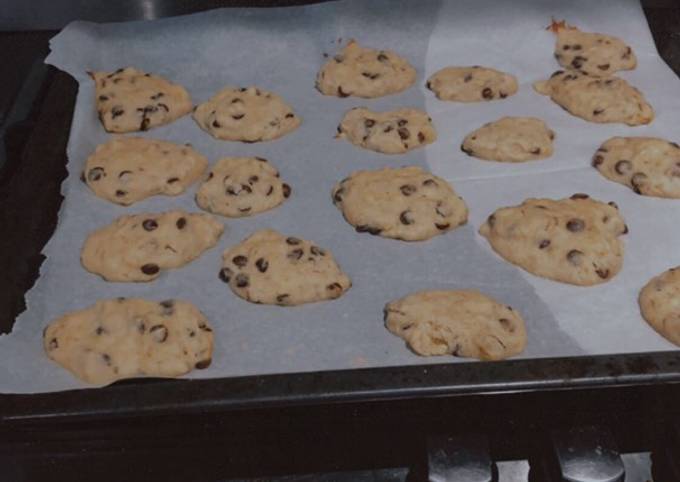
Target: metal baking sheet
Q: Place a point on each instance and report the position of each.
(281, 50)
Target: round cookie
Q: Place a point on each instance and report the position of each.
(573, 240)
(124, 338)
(510, 139)
(464, 323)
(405, 203)
(471, 84)
(129, 100)
(660, 304)
(242, 186)
(592, 53)
(128, 169)
(274, 269)
(393, 132)
(597, 99)
(246, 114)
(138, 247)
(648, 165)
(364, 72)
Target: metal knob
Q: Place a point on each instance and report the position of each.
(588, 454)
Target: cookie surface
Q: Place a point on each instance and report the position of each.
(597, 99)
(274, 269)
(391, 132)
(242, 186)
(471, 84)
(405, 203)
(463, 323)
(246, 114)
(593, 53)
(660, 304)
(510, 139)
(365, 72)
(129, 100)
(128, 169)
(573, 240)
(648, 165)
(123, 338)
(138, 247)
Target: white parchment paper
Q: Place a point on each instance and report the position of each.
(281, 50)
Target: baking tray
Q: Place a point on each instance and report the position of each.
(28, 217)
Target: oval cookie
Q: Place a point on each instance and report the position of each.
(510, 139)
(126, 170)
(597, 99)
(129, 100)
(471, 84)
(246, 114)
(274, 269)
(393, 132)
(124, 338)
(364, 72)
(138, 247)
(406, 203)
(593, 53)
(573, 240)
(463, 323)
(660, 304)
(648, 165)
(242, 186)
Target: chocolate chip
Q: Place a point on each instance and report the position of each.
(544, 244)
(575, 257)
(203, 364)
(117, 111)
(507, 325)
(578, 61)
(262, 265)
(244, 210)
(388, 129)
(95, 174)
(576, 225)
(159, 333)
(368, 229)
(172, 179)
(579, 195)
(368, 123)
(598, 111)
(487, 93)
(246, 188)
(145, 124)
(238, 116)
(290, 115)
(124, 174)
(407, 189)
(168, 307)
(338, 58)
(429, 182)
(536, 151)
(203, 327)
(597, 160)
(675, 144)
(226, 274)
(253, 179)
(623, 167)
(270, 191)
(296, 254)
(216, 124)
(334, 287)
(157, 96)
(120, 193)
(107, 359)
(100, 330)
(442, 227)
(403, 133)
(406, 218)
(603, 67)
(467, 151)
(421, 137)
(315, 250)
(341, 93)
(503, 95)
(382, 57)
(491, 220)
(53, 344)
(602, 273)
(164, 107)
(181, 222)
(627, 53)
(149, 224)
(637, 180)
(293, 241)
(576, 47)
(556, 73)
(242, 280)
(625, 229)
(236, 100)
(613, 204)
(566, 47)
(467, 78)
(240, 260)
(103, 98)
(286, 190)
(370, 75)
(150, 269)
(337, 196)
(602, 149)
(282, 298)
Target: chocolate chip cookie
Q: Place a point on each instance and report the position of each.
(573, 240)
(510, 139)
(471, 84)
(406, 203)
(242, 186)
(247, 114)
(274, 269)
(648, 165)
(393, 132)
(138, 247)
(462, 323)
(130, 100)
(365, 72)
(659, 304)
(124, 338)
(128, 169)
